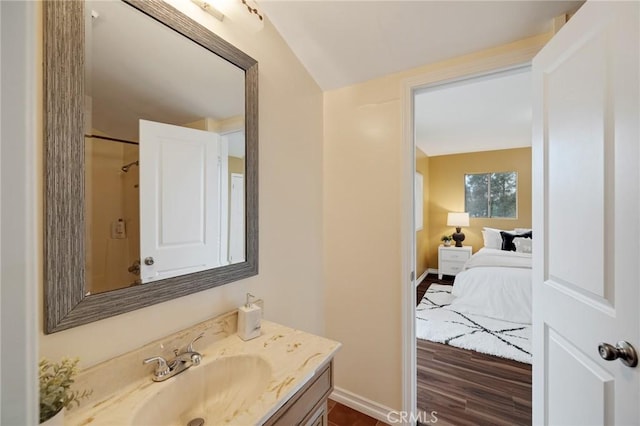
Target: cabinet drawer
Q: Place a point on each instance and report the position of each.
(451, 268)
(454, 255)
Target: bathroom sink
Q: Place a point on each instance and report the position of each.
(215, 391)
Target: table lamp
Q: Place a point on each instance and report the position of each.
(458, 220)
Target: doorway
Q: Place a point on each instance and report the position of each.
(473, 142)
(489, 64)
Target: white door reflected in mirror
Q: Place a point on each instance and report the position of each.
(179, 193)
(179, 197)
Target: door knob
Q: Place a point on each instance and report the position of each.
(622, 350)
(148, 261)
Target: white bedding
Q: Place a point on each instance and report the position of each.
(495, 284)
(499, 258)
(438, 321)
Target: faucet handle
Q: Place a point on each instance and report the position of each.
(162, 368)
(190, 347)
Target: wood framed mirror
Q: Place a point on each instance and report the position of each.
(68, 300)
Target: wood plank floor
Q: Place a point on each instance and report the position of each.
(341, 415)
(469, 388)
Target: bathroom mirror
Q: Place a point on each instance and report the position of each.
(151, 146)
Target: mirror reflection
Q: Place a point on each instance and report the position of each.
(164, 151)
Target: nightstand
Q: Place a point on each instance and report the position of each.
(452, 259)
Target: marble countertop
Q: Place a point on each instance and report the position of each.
(293, 356)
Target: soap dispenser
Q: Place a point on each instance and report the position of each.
(249, 317)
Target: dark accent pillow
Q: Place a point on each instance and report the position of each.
(507, 239)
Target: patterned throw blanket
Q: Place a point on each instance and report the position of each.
(438, 322)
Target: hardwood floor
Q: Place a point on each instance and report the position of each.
(421, 289)
(341, 415)
(469, 388)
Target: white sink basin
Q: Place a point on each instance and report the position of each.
(216, 391)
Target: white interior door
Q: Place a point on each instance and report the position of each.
(587, 218)
(179, 208)
(236, 228)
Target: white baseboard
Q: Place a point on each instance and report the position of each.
(362, 404)
(432, 271)
(421, 277)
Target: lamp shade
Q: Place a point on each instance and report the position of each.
(457, 219)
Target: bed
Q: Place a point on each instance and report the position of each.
(474, 342)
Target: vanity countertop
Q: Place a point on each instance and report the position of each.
(294, 357)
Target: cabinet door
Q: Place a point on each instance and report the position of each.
(309, 402)
(319, 417)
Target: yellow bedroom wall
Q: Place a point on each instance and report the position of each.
(422, 255)
(446, 193)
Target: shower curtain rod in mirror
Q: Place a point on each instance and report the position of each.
(111, 139)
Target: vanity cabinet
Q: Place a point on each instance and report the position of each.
(308, 406)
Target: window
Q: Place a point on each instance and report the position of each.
(491, 195)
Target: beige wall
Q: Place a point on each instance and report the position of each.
(362, 219)
(291, 275)
(107, 258)
(362, 240)
(422, 236)
(446, 193)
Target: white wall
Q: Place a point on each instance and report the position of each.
(291, 275)
(18, 343)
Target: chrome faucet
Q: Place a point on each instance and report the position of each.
(182, 361)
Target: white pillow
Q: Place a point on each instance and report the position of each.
(522, 230)
(492, 238)
(523, 245)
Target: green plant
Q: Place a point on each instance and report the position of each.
(55, 386)
(446, 238)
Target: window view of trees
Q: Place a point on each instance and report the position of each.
(477, 195)
(491, 194)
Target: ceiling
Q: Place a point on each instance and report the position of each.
(129, 78)
(343, 42)
(479, 114)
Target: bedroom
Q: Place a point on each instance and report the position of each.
(474, 157)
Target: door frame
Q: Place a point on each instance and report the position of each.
(487, 62)
(20, 275)
(231, 197)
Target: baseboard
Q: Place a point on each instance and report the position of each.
(362, 404)
(432, 271)
(421, 277)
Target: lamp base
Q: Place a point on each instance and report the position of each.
(458, 237)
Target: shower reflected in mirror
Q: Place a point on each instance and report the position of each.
(126, 167)
(183, 205)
